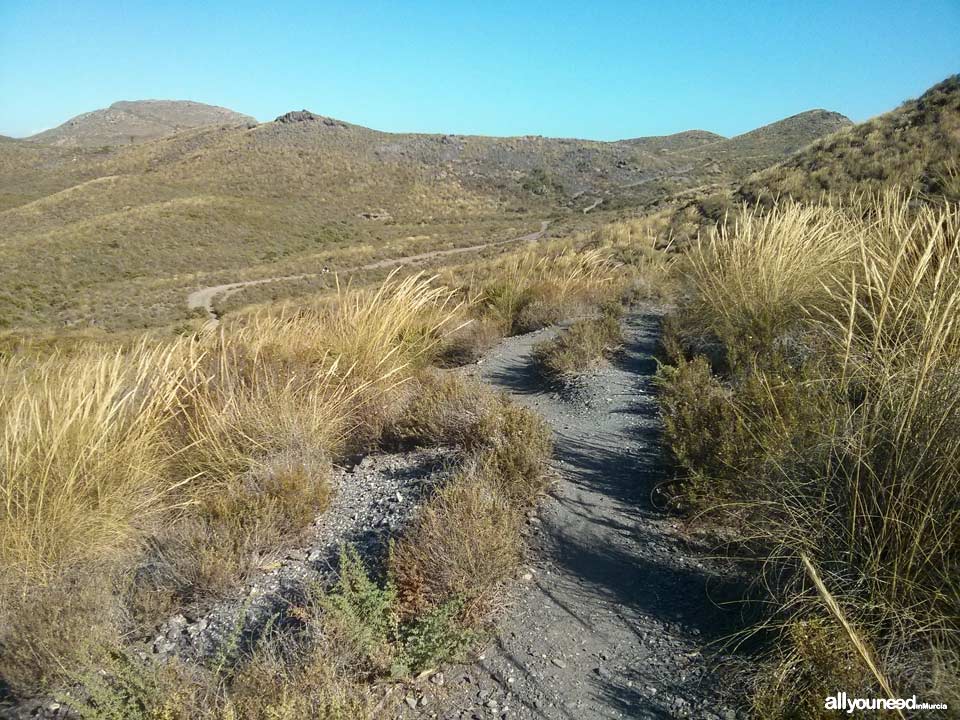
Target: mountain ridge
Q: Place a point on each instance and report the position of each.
(226, 202)
(194, 114)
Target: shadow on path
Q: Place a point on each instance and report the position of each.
(625, 619)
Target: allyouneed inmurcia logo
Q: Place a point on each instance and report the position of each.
(842, 702)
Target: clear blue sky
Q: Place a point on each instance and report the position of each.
(581, 68)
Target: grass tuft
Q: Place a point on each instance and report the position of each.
(832, 433)
(585, 344)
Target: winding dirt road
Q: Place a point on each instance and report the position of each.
(204, 297)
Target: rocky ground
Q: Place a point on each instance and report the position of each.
(619, 613)
(372, 501)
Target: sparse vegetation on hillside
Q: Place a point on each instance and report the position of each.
(124, 232)
(915, 146)
(127, 122)
(760, 148)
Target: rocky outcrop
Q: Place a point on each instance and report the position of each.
(302, 116)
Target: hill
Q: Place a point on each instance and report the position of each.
(771, 143)
(917, 145)
(123, 232)
(128, 122)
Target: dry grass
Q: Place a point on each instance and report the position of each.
(837, 433)
(84, 458)
(443, 408)
(526, 290)
(466, 541)
(762, 272)
(585, 344)
(140, 482)
(193, 458)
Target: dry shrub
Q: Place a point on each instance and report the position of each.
(345, 640)
(537, 313)
(467, 344)
(270, 686)
(467, 538)
(465, 542)
(810, 666)
(443, 408)
(129, 686)
(698, 414)
(350, 636)
(723, 436)
(233, 528)
(585, 344)
(49, 633)
(514, 445)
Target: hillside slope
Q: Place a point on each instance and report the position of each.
(128, 122)
(917, 145)
(771, 143)
(123, 231)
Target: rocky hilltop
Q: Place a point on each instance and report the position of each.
(128, 122)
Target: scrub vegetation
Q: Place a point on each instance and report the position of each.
(812, 398)
(152, 467)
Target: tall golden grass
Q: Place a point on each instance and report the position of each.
(102, 452)
(850, 312)
(84, 456)
(762, 271)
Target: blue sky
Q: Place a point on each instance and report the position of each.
(582, 68)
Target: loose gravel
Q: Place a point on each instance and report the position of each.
(619, 612)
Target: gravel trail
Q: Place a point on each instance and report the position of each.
(619, 613)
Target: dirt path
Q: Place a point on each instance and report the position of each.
(617, 615)
(204, 297)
